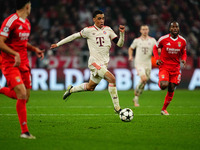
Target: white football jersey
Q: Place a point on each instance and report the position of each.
(144, 50)
(99, 43)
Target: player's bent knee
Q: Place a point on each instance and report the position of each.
(91, 89)
(113, 81)
(144, 79)
(20, 92)
(21, 96)
(163, 86)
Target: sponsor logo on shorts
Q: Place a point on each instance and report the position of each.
(18, 79)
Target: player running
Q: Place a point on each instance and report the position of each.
(14, 34)
(99, 39)
(144, 49)
(173, 49)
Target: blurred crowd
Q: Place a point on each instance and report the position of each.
(54, 20)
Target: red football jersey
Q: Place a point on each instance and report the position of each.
(17, 31)
(172, 50)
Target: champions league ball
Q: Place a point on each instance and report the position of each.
(126, 114)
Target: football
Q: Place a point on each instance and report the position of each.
(126, 114)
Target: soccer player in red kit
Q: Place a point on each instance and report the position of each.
(14, 34)
(173, 48)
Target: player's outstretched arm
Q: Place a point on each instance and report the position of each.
(184, 63)
(66, 40)
(120, 42)
(155, 53)
(130, 54)
(8, 50)
(39, 53)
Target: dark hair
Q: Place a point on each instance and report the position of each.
(21, 3)
(96, 12)
(174, 21)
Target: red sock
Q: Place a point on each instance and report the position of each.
(21, 111)
(168, 99)
(8, 92)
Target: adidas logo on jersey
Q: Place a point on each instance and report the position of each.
(168, 44)
(20, 27)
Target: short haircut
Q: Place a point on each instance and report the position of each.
(96, 12)
(21, 3)
(171, 23)
(143, 25)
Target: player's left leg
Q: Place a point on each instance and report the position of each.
(96, 74)
(8, 92)
(90, 86)
(113, 90)
(174, 80)
(168, 98)
(21, 110)
(23, 93)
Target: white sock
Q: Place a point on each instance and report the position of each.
(136, 99)
(79, 88)
(113, 93)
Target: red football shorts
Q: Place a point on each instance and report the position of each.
(170, 76)
(17, 75)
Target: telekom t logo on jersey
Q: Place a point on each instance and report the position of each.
(100, 41)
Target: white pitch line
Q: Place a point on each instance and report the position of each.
(99, 114)
(11, 107)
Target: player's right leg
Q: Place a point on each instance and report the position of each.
(163, 84)
(144, 76)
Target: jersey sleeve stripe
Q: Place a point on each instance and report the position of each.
(114, 38)
(4, 34)
(11, 20)
(163, 37)
(80, 34)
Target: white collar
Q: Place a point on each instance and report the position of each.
(173, 38)
(21, 19)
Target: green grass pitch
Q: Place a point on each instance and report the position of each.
(87, 121)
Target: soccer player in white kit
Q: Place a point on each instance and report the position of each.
(99, 38)
(144, 49)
